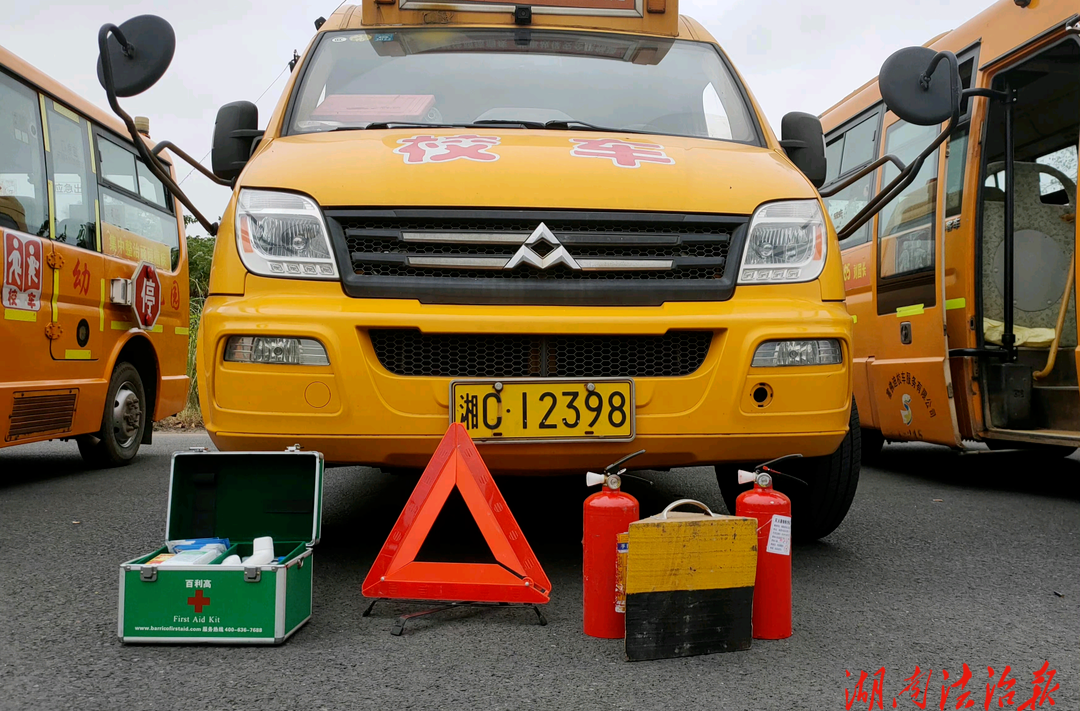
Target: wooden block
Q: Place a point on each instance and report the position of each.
(689, 585)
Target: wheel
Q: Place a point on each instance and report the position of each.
(122, 424)
(1050, 451)
(819, 506)
(872, 442)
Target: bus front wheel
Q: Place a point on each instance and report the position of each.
(819, 506)
(122, 423)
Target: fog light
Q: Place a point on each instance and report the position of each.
(275, 349)
(817, 352)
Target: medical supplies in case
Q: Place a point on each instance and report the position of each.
(689, 583)
(245, 503)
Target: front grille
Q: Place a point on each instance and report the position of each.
(459, 256)
(38, 412)
(410, 352)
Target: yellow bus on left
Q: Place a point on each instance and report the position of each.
(94, 334)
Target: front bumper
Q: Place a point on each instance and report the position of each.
(355, 411)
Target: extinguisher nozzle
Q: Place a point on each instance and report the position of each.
(594, 479)
(746, 477)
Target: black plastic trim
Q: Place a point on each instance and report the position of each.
(456, 290)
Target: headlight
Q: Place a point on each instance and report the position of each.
(275, 349)
(771, 354)
(786, 243)
(283, 235)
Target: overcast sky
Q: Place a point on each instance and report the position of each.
(795, 55)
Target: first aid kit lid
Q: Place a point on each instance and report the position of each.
(244, 495)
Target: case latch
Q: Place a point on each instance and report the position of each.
(293, 448)
(148, 573)
(252, 575)
(198, 449)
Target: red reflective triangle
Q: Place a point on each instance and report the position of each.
(397, 574)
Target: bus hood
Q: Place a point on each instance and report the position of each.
(525, 169)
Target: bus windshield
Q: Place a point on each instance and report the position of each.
(464, 76)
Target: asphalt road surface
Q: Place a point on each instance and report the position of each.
(943, 561)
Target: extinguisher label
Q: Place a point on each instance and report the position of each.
(622, 545)
(779, 535)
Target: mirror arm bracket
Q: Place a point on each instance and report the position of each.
(149, 158)
(901, 181)
(170, 146)
(862, 173)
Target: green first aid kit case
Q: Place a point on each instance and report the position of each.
(240, 496)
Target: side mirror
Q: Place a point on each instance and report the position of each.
(137, 63)
(137, 56)
(235, 132)
(804, 142)
(921, 86)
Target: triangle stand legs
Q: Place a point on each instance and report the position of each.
(399, 623)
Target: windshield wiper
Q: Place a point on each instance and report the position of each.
(383, 125)
(396, 124)
(508, 122)
(574, 124)
(561, 125)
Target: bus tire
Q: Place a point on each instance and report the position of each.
(123, 422)
(819, 507)
(872, 442)
(1047, 451)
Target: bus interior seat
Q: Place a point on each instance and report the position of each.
(1044, 241)
(12, 213)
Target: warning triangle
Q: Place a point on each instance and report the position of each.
(517, 577)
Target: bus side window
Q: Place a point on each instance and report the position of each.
(845, 154)
(117, 165)
(133, 230)
(24, 203)
(74, 185)
(955, 165)
(906, 225)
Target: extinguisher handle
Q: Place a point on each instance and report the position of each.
(615, 465)
(683, 502)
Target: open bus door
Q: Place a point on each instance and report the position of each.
(908, 378)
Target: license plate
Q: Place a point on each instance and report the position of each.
(544, 409)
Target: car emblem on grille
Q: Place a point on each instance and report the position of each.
(527, 254)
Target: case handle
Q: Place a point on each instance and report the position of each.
(681, 502)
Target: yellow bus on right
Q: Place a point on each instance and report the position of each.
(962, 283)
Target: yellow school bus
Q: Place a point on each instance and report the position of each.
(565, 225)
(989, 220)
(85, 354)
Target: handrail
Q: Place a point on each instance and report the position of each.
(1060, 322)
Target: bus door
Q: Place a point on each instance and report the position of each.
(909, 375)
(76, 266)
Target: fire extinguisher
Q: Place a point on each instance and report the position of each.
(772, 585)
(606, 514)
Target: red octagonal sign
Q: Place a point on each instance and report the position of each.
(147, 301)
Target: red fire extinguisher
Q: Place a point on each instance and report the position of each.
(772, 585)
(607, 514)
